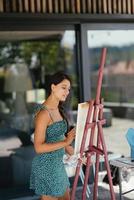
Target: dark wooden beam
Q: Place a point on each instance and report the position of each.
(29, 21)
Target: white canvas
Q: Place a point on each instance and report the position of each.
(80, 124)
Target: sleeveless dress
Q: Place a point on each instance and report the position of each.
(48, 174)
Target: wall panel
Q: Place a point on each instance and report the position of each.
(68, 6)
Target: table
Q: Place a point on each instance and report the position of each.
(121, 163)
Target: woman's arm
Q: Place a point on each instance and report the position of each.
(41, 123)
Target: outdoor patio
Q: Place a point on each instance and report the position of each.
(117, 143)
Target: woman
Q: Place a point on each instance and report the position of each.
(48, 175)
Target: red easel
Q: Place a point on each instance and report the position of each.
(95, 108)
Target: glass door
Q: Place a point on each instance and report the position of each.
(118, 81)
(27, 58)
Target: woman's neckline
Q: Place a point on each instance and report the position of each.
(56, 122)
(49, 110)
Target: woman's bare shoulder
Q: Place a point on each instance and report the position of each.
(43, 115)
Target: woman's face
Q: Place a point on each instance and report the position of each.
(61, 90)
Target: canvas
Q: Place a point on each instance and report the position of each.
(80, 125)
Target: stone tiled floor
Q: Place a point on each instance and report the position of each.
(103, 192)
(115, 136)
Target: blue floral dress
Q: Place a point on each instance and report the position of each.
(48, 175)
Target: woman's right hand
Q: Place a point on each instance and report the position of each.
(70, 136)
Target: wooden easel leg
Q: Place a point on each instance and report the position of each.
(76, 179)
(95, 192)
(106, 161)
(86, 176)
(82, 177)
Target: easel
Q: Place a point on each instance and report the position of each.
(95, 108)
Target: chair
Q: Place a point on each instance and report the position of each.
(130, 139)
(22, 160)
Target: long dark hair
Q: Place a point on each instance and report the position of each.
(55, 79)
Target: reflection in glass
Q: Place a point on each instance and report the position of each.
(118, 82)
(22, 87)
(119, 67)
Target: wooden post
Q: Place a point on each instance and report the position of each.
(100, 6)
(89, 6)
(50, 6)
(124, 6)
(119, 6)
(105, 6)
(73, 6)
(129, 6)
(83, 6)
(78, 6)
(32, 6)
(132, 3)
(8, 6)
(109, 7)
(61, 6)
(38, 6)
(20, 5)
(114, 6)
(67, 6)
(26, 6)
(56, 6)
(44, 6)
(94, 6)
(1, 6)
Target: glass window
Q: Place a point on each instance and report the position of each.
(26, 61)
(118, 81)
